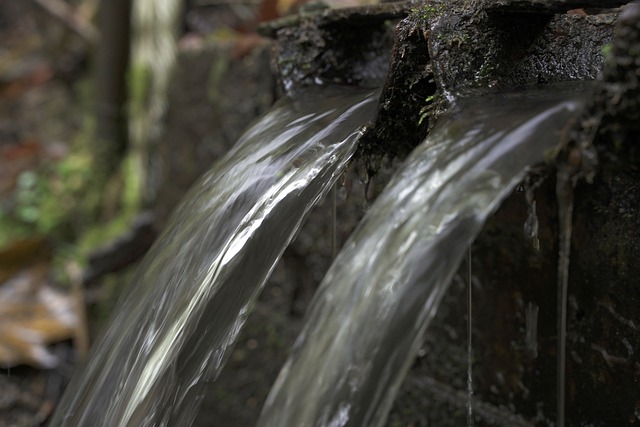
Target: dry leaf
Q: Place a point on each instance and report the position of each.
(33, 315)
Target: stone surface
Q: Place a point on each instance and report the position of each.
(346, 46)
(402, 120)
(550, 5)
(474, 48)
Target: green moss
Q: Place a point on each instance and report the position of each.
(431, 107)
(428, 10)
(606, 50)
(458, 39)
(427, 110)
(485, 75)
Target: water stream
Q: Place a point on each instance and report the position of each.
(368, 317)
(181, 314)
(470, 419)
(564, 193)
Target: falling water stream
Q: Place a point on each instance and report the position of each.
(182, 312)
(367, 320)
(564, 193)
(470, 420)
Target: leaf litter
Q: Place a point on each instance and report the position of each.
(33, 313)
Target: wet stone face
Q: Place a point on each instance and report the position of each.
(480, 48)
(348, 46)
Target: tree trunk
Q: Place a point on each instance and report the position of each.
(111, 87)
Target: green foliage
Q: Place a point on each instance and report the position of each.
(44, 199)
(609, 56)
(28, 187)
(58, 200)
(66, 185)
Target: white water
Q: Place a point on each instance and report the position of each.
(367, 320)
(181, 314)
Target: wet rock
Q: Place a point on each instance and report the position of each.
(408, 99)
(550, 5)
(611, 118)
(440, 49)
(616, 100)
(479, 48)
(347, 46)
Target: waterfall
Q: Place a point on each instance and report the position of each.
(174, 327)
(367, 320)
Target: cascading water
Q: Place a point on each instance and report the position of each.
(369, 315)
(183, 310)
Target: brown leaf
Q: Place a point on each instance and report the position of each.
(578, 12)
(32, 316)
(268, 10)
